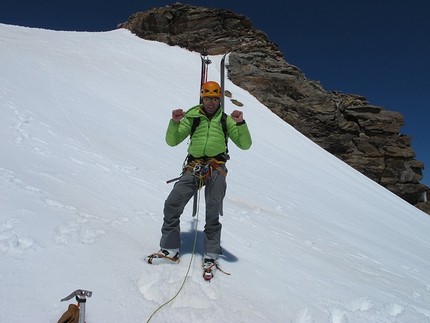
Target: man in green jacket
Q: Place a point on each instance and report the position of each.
(205, 167)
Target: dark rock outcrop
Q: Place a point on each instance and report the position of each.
(364, 136)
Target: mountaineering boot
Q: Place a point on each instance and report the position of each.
(164, 256)
(209, 264)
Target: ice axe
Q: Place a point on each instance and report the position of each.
(81, 297)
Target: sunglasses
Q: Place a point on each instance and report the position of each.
(210, 99)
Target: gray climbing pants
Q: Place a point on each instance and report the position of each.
(184, 189)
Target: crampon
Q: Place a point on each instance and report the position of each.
(162, 255)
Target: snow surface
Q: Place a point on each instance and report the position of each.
(83, 170)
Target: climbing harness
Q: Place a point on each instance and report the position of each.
(201, 168)
(204, 168)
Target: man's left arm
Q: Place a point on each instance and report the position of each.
(238, 130)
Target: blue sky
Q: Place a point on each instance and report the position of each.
(377, 49)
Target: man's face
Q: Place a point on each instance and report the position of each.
(211, 104)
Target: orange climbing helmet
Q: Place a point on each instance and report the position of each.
(211, 89)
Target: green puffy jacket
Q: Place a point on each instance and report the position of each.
(208, 139)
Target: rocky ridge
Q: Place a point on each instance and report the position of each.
(364, 136)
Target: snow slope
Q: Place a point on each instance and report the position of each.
(83, 166)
